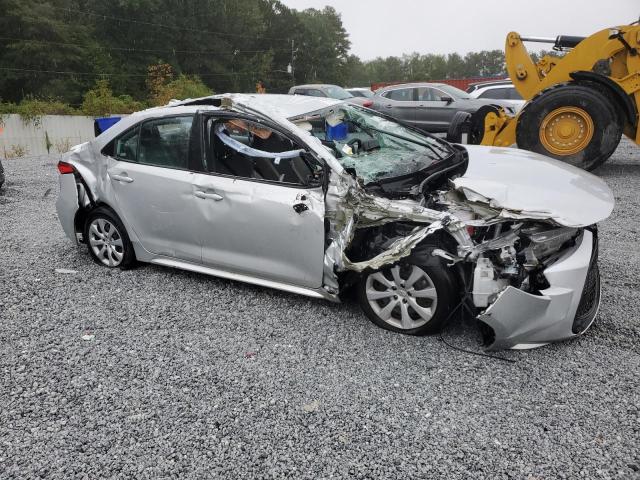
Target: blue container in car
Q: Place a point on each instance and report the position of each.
(102, 124)
(337, 132)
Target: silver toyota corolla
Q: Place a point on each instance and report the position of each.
(317, 197)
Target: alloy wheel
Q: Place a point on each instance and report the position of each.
(404, 296)
(106, 242)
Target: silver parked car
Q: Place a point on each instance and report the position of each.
(317, 197)
(323, 90)
(428, 106)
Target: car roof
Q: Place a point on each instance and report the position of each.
(315, 85)
(495, 85)
(272, 105)
(478, 85)
(409, 85)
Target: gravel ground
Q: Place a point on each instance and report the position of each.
(156, 372)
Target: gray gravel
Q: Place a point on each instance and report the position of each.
(156, 372)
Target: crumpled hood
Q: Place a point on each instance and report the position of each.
(521, 182)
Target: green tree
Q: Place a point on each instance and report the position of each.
(100, 101)
(323, 48)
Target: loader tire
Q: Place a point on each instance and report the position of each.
(572, 123)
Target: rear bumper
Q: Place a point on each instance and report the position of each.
(565, 310)
(67, 205)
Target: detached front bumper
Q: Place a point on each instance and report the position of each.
(566, 309)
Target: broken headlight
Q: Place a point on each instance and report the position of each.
(545, 241)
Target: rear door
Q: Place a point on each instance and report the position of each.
(264, 217)
(153, 185)
(400, 104)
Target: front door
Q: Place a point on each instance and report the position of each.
(263, 217)
(432, 113)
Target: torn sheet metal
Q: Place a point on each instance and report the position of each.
(397, 250)
(349, 207)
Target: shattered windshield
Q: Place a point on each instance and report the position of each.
(377, 148)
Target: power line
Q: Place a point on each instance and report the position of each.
(104, 74)
(144, 50)
(171, 27)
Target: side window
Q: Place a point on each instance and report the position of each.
(425, 94)
(495, 93)
(164, 142)
(247, 149)
(400, 95)
(514, 94)
(438, 95)
(313, 92)
(126, 147)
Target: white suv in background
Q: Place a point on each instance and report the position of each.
(499, 90)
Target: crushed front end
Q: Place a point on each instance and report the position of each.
(542, 287)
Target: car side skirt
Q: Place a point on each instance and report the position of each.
(309, 292)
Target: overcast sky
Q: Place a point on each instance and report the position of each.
(393, 27)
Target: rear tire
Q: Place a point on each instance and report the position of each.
(413, 296)
(107, 240)
(572, 123)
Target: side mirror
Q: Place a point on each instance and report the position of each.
(446, 99)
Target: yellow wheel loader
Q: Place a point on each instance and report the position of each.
(578, 105)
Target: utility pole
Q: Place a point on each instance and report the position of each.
(293, 76)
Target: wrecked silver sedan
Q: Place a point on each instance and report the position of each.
(318, 197)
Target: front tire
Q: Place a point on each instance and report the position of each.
(107, 240)
(414, 296)
(459, 125)
(572, 123)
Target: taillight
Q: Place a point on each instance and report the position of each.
(64, 167)
(368, 103)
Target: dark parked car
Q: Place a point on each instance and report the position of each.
(428, 106)
(330, 91)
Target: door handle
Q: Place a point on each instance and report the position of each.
(300, 207)
(388, 106)
(208, 196)
(122, 178)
